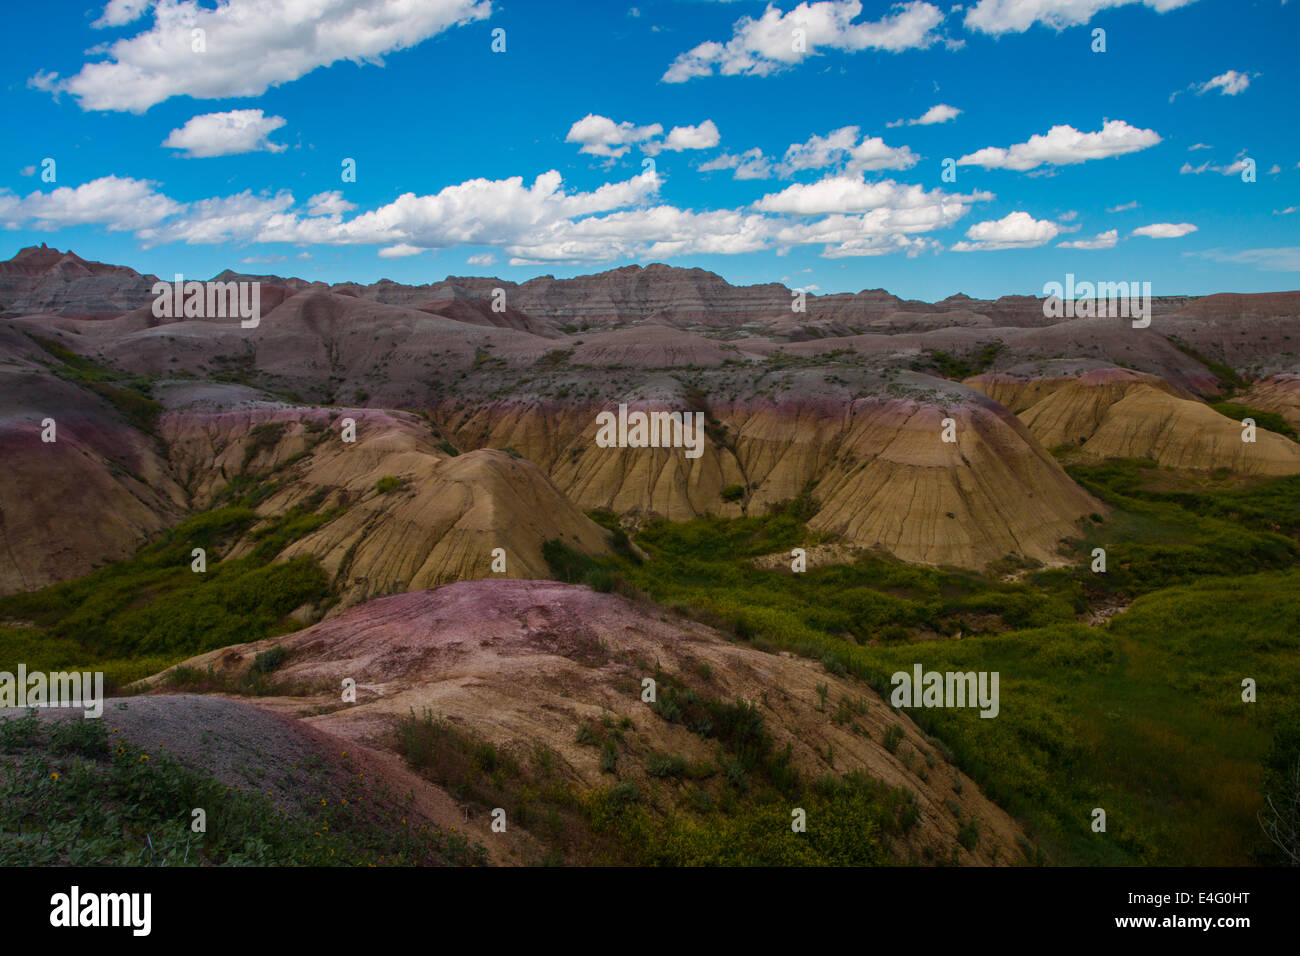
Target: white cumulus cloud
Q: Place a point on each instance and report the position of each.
(537, 222)
(118, 13)
(842, 146)
(703, 136)
(1063, 145)
(329, 203)
(601, 136)
(849, 194)
(1017, 230)
(939, 113)
(1228, 84)
(751, 164)
(1231, 169)
(248, 46)
(119, 204)
(227, 134)
(399, 251)
(838, 148)
(1017, 16)
(1164, 230)
(777, 40)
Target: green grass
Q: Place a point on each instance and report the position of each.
(734, 810)
(744, 818)
(1158, 539)
(138, 616)
(1142, 717)
(69, 797)
(704, 564)
(957, 368)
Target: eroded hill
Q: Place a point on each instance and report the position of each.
(539, 666)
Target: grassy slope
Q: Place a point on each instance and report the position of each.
(70, 797)
(138, 616)
(1142, 717)
(731, 810)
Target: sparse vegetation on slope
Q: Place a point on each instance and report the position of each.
(72, 796)
(958, 368)
(735, 810)
(129, 394)
(1128, 716)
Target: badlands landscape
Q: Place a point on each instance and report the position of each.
(375, 539)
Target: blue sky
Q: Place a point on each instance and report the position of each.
(783, 140)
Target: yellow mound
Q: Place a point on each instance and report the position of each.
(1141, 421)
(435, 519)
(878, 468)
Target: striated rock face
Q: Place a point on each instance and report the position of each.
(628, 294)
(993, 492)
(1122, 414)
(1233, 328)
(561, 439)
(696, 298)
(41, 280)
(1149, 423)
(1101, 387)
(523, 663)
(1029, 351)
(878, 467)
(651, 346)
(439, 522)
(481, 312)
(1256, 331)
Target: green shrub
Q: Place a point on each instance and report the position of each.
(567, 564)
(269, 660)
(138, 616)
(733, 492)
(892, 738)
(968, 835)
(609, 756)
(665, 765)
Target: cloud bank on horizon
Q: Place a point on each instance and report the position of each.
(857, 142)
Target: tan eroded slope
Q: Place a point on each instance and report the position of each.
(1105, 385)
(440, 525)
(878, 467)
(1140, 420)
